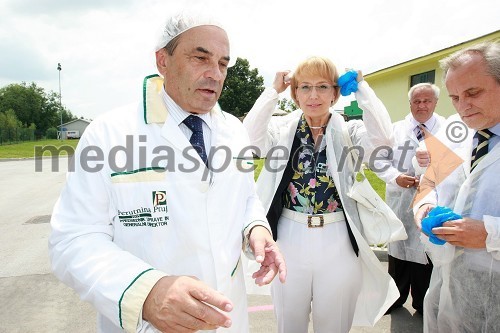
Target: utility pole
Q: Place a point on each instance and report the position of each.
(60, 100)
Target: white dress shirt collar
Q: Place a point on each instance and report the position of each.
(178, 114)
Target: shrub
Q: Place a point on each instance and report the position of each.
(51, 133)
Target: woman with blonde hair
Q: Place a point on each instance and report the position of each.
(332, 272)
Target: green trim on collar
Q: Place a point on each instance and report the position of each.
(154, 107)
(144, 93)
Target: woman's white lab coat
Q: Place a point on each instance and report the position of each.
(378, 290)
(112, 226)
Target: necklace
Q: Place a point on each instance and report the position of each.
(317, 127)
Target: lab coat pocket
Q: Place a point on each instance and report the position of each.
(140, 198)
(244, 164)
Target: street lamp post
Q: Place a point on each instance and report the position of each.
(60, 98)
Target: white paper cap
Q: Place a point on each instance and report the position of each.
(181, 22)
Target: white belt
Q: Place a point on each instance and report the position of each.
(313, 221)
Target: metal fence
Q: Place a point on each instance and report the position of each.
(12, 135)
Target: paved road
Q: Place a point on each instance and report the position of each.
(33, 300)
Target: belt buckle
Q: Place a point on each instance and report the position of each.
(310, 223)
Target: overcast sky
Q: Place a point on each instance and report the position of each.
(105, 47)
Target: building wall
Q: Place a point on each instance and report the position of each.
(392, 84)
(392, 88)
(78, 125)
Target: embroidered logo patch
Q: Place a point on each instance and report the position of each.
(159, 198)
(155, 216)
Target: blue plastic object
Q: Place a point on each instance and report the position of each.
(436, 217)
(347, 83)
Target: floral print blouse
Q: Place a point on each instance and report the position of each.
(311, 190)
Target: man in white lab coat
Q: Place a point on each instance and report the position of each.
(464, 295)
(408, 263)
(150, 225)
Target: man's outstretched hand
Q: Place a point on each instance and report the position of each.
(268, 255)
(185, 304)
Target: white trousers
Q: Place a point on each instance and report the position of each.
(323, 272)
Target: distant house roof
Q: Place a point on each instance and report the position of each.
(74, 121)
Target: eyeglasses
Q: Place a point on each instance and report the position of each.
(321, 89)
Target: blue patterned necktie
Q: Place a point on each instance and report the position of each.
(419, 131)
(195, 123)
(480, 151)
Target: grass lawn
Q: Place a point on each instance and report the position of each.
(377, 184)
(27, 149)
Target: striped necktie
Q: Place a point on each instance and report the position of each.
(480, 151)
(419, 132)
(195, 123)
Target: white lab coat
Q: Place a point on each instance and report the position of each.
(378, 291)
(464, 292)
(109, 228)
(401, 199)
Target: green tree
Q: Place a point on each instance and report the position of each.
(32, 105)
(26, 101)
(286, 105)
(9, 125)
(241, 89)
(51, 133)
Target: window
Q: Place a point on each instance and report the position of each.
(423, 78)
